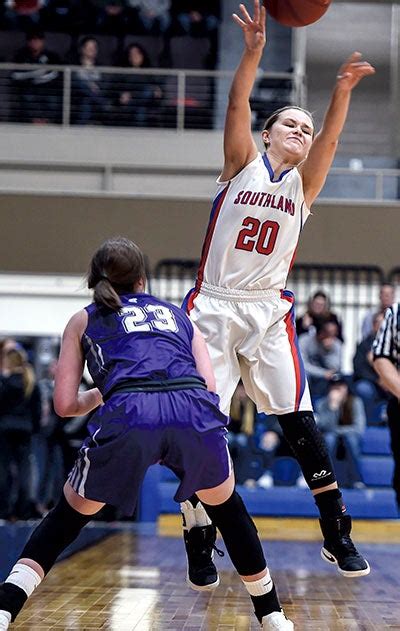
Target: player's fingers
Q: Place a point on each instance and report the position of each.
(263, 17)
(354, 56)
(238, 20)
(245, 14)
(256, 17)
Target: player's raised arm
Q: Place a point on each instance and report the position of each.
(323, 149)
(239, 145)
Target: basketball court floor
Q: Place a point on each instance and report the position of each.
(136, 581)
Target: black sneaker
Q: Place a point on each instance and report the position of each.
(339, 549)
(202, 575)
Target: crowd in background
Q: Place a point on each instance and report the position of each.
(344, 404)
(199, 17)
(38, 448)
(102, 33)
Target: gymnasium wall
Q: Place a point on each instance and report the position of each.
(57, 234)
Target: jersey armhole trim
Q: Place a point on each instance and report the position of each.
(232, 179)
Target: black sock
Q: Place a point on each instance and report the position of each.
(12, 599)
(265, 604)
(330, 503)
(194, 500)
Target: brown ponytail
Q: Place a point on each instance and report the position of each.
(116, 268)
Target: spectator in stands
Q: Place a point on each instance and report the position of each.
(89, 100)
(111, 16)
(367, 384)
(38, 92)
(150, 16)
(51, 480)
(20, 411)
(341, 417)
(386, 299)
(318, 310)
(322, 355)
(139, 96)
(23, 14)
(196, 18)
(386, 355)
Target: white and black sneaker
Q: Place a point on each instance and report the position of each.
(277, 621)
(202, 575)
(339, 549)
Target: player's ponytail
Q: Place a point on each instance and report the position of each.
(116, 268)
(104, 293)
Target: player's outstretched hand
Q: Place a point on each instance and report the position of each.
(352, 71)
(253, 28)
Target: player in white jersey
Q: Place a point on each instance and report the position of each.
(240, 302)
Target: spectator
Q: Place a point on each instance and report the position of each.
(52, 474)
(254, 442)
(23, 14)
(198, 17)
(111, 16)
(386, 354)
(37, 91)
(139, 96)
(322, 356)
(89, 101)
(367, 383)
(318, 310)
(20, 412)
(150, 16)
(341, 418)
(386, 299)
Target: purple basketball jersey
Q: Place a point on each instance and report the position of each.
(146, 339)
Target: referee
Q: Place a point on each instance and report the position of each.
(386, 355)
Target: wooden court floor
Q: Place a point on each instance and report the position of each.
(136, 581)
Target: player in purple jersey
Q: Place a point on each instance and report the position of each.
(240, 302)
(155, 400)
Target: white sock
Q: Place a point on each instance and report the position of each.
(5, 619)
(24, 577)
(194, 516)
(260, 587)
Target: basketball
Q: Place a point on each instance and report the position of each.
(296, 12)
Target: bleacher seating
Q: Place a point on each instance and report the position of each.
(376, 441)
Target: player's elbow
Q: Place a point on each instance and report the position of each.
(64, 406)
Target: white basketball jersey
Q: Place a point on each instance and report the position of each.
(254, 229)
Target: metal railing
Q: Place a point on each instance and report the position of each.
(353, 290)
(156, 97)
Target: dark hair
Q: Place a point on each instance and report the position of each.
(275, 115)
(116, 267)
(146, 59)
(34, 33)
(319, 294)
(85, 39)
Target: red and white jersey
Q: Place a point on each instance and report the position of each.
(254, 229)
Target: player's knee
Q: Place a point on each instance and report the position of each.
(239, 534)
(309, 447)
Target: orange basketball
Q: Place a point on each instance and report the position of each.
(296, 12)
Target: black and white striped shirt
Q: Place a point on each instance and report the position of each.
(387, 340)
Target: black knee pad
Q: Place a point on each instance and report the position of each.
(59, 528)
(239, 534)
(309, 447)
